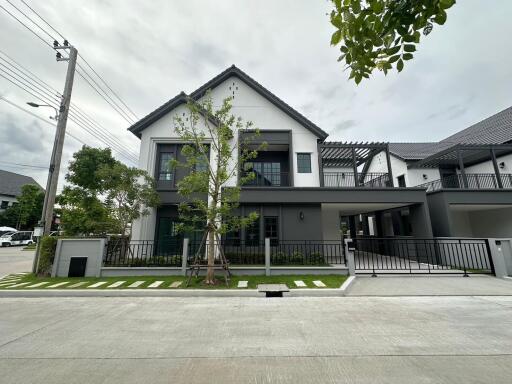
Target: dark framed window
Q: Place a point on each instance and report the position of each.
(401, 181)
(233, 237)
(4, 204)
(304, 162)
(252, 233)
(271, 227)
(165, 172)
(266, 173)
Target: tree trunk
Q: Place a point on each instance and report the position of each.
(210, 272)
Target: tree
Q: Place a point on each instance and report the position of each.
(26, 213)
(213, 175)
(105, 195)
(129, 193)
(382, 33)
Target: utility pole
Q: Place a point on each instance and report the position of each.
(58, 144)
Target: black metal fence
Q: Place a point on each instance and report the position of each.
(282, 253)
(143, 253)
(350, 180)
(474, 181)
(437, 255)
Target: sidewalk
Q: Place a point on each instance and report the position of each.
(475, 285)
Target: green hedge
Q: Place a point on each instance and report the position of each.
(46, 255)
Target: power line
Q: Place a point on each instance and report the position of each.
(29, 18)
(41, 97)
(26, 26)
(86, 62)
(23, 165)
(39, 117)
(134, 158)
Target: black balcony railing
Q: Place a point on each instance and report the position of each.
(351, 180)
(267, 179)
(474, 181)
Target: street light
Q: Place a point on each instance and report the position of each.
(35, 105)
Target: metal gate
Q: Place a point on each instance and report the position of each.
(422, 256)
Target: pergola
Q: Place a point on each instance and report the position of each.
(350, 154)
(462, 155)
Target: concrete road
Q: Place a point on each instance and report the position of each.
(15, 259)
(251, 340)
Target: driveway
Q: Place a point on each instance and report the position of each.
(252, 340)
(430, 285)
(14, 260)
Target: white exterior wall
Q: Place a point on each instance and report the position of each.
(487, 167)
(247, 104)
(413, 177)
(251, 106)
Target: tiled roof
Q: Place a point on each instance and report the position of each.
(11, 183)
(416, 151)
(496, 129)
(139, 126)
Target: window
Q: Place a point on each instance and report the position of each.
(165, 172)
(304, 162)
(4, 205)
(401, 181)
(252, 233)
(266, 173)
(233, 237)
(272, 229)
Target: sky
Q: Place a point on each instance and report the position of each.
(150, 51)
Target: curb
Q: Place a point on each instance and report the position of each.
(35, 293)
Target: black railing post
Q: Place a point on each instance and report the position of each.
(354, 165)
(462, 169)
(390, 171)
(496, 168)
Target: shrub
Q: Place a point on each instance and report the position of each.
(46, 255)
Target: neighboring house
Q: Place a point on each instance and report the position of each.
(467, 176)
(306, 188)
(10, 187)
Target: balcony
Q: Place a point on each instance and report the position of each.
(470, 181)
(267, 179)
(356, 180)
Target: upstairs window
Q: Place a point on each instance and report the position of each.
(304, 162)
(4, 204)
(165, 172)
(401, 181)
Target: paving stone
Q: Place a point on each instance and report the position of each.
(98, 284)
(243, 284)
(136, 284)
(77, 284)
(175, 284)
(116, 284)
(156, 284)
(300, 283)
(319, 283)
(58, 284)
(38, 284)
(18, 285)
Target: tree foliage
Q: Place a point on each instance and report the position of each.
(27, 212)
(105, 195)
(214, 153)
(382, 33)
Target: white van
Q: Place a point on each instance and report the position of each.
(16, 238)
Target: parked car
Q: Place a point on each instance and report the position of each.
(4, 230)
(17, 238)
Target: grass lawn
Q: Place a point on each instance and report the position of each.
(331, 281)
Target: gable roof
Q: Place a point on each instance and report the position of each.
(11, 183)
(496, 129)
(198, 93)
(416, 151)
(149, 119)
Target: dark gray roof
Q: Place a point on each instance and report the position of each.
(416, 151)
(11, 183)
(496, 129)
(198, 93)
(149, 119)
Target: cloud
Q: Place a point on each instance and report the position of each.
(150, 51)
